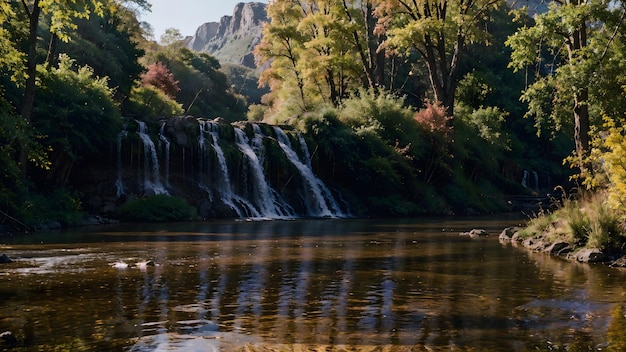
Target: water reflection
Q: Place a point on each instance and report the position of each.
(323, 284)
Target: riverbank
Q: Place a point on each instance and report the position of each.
(546, 242)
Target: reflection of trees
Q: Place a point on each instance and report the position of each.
(617, 330)
(400, 289)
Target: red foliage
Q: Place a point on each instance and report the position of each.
(434, 118)
(159, 76)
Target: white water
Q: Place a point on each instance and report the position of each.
(152, 178)
(119, 184)
(267, 199)
(237, 203)
(321, 203)
(164, 142)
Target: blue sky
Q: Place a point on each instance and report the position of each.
(187, 15)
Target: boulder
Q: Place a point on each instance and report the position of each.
(619, 262)
(4, 259)
(8, 339)
(475, 233)
(558, 248)
(589, 255)
(508, 233)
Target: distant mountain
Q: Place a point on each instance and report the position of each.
(233, 39)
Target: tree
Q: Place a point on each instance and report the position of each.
(324, 50)
(438, 31)
(161, 78)
(61, 13)
(569, 47)
(76, 113)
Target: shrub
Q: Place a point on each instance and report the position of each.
(61, 205)
(156, 208)
(149, 101)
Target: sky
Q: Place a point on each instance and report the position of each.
(187, 15)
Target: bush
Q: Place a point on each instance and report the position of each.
(156, 208)
(61, 205)
(149, 101)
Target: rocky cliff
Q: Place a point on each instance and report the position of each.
(233, 39)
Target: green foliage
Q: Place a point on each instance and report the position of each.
(577, 222)
(76, 111)
(150, 102)
(156, 208)
(203, 89)
(566, 50)
(14, 134)
(244, 81)
(439, 36)
(107, 44)
(587, 222)
(488, 123)
(60, 205)
(385, 115)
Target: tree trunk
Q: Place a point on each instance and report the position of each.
(31, 61)
(575, 43)
(31, 70)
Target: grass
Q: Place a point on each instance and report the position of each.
(584, 222)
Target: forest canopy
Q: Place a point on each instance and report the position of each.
(413, 107)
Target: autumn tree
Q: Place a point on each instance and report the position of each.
(323, 50)
(161, 78)
(438, 31)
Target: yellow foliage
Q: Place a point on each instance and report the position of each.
(608, 157)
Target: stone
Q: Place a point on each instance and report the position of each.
(4, 259)
(9, 339)
(508, 233)
(475, 233)
(556, 248)
(619, 262)
(590, 255)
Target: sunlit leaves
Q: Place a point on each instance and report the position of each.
(438, 30)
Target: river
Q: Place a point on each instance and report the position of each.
(331, 285)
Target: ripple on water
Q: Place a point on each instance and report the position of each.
(48, 263)
(190, 335)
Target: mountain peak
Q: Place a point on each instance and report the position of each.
(233, 39)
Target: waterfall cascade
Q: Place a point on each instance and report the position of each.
(225, 172)
(320, 201)
(152, 171)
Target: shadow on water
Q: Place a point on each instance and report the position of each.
(284, 285)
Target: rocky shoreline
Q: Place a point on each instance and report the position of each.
(560, 248)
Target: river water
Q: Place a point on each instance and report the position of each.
(326, 285)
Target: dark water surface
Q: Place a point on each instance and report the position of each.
(367, 285)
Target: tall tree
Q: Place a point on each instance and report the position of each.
(569, 47)
(61, 13)
(439, 31)
(281, 46)
(323, 49)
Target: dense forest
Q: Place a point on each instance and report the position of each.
(420, 107)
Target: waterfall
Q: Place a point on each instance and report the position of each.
(267, 199)
(238, 204)
(305, 150)
(536, 176)
(525, 179)
(222, 172)
(119, 184)
(152, 178)
(164, 142)
(322, 201)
